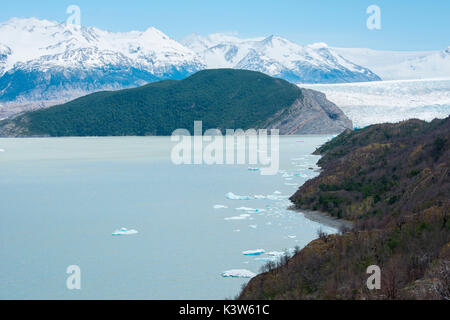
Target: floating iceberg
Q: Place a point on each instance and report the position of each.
(253, 226)
(275, 253)
(232, 196)
(220, 206)
(124, 232)
(2, 150)
(238, 273)
(250, 209)
(253, 169)
(256, 252)
(266, 259)
(292, 237)
(241, 217)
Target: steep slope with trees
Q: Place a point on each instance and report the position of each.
(393, 182)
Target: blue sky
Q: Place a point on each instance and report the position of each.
(406, 25)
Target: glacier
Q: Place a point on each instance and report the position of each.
(369, 103)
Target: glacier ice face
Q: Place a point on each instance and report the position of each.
(238, 273)
(390, 101)
(124, 232)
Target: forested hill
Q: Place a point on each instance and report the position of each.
(393, 182)
(222, 98)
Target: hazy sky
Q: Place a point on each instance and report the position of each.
(405, 24)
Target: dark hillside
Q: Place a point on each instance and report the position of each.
(393, 181)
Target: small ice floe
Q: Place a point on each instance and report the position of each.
(237, 230)
(220, 206)
(256, 252)
(253, 226)
(252, 210)
(275, 253)
(266, 259)
(253, 169)
(2, 150)
(232, 196)
(124, 232)
(238, 273)
(277, 192)
(240, 217)
(291, 184)
(292, 237)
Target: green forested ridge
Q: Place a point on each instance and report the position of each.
(393, 182)
(222, 98)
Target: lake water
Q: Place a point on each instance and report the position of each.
(61, 199)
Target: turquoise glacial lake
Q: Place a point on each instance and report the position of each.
(62, 198)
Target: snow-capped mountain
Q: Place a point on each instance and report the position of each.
(43, 60)
(279, 57)
(401, 65)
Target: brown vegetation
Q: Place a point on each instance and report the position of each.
(393, 182)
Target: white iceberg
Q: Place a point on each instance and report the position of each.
(266, 259)
(253, 226)
(124, 232)
(2, 150)
(220, 206)
(275, 253)
(232, 196)
(238, 273)
(253, 169)
(256, 252)
(250, 209)
(240, 217)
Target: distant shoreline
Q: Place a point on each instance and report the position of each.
(323, 218)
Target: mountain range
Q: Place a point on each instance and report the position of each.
(44, 63)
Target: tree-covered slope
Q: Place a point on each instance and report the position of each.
(221, 98)
(393, 182)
